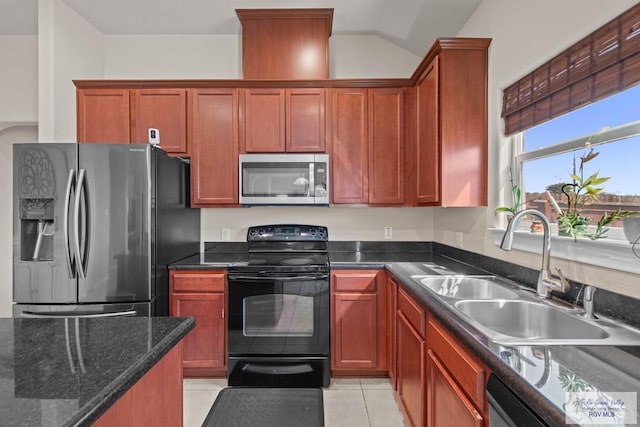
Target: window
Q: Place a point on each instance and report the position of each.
(547, 155)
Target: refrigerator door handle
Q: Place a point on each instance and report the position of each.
(53, 315)
(81, 253)
(65, 224)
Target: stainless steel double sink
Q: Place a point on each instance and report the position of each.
(509, 314)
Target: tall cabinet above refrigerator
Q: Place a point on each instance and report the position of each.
(95, 226)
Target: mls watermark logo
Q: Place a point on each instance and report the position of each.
(602, 408)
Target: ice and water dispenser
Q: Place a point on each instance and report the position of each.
(36, 200)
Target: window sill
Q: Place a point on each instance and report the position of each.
(613, 254)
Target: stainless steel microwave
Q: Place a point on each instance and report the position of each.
(284, 179)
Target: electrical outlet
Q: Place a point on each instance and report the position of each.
(388, 233)
(225, 234)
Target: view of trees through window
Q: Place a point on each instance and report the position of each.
(608, 153)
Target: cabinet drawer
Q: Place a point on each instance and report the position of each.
(350, 281)
(198, 281)
(412, 311)
(469, 373)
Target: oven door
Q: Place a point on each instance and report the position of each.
(287, 314)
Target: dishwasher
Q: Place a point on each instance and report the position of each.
(506, 409)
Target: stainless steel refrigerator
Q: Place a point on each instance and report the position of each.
(95, 226)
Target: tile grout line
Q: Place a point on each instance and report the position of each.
(366, 407)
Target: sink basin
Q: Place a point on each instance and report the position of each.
(467, 287)
(527, 322)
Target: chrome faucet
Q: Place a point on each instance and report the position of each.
(588, 302)
(546, 281)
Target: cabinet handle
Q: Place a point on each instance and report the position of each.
(223, 313)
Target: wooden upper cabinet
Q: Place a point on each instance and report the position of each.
(283, 120)
(349, 151)
(103, 115)
(428, 165)
(165, 110)
(305, 119)
(213, 141)
(264, 120)
(451, 125)
(463, 126)
(386, 127)
(289, 44)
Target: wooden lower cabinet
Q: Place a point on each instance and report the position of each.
(410, 358)
(456, 381)
(438, 381)
(359, 323)
(447, 404)
(154, 400)
(201, 294)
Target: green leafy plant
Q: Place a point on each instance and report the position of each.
(516, 198)
(581, 192)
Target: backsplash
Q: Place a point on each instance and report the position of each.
(615, 306)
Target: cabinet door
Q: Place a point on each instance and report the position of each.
(386, 126)
(103, 115)
(165, 110)
(305, 115)
(410, 371)
(428, 162)
(204, 347)
(447, 404)
(355, 331)
(349, 155)
(213, 141)
(360, 322)
(264, 120)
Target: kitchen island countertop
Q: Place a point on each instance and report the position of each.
(69, 371)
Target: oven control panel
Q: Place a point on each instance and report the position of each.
(288, 232)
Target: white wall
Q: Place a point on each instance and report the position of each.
(345, 223)
(220, 57)
(172, 57)
(18, 79)
(368, 56)
(525, 35)
(69, 48)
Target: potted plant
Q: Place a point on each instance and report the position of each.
(581, 192)
(516, 198)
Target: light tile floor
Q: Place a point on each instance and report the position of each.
(347, 402)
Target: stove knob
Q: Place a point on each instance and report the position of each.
(313, 232)
(253, 232)
(261, 231)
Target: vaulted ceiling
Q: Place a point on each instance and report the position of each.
(410, 24)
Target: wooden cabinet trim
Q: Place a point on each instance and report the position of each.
(197, 281)
(470, 374)
(355, 281)
(412, 311)
(468, 417)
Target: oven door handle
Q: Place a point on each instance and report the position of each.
(279, 279)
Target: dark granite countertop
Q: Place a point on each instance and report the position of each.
(68, 372)
(540, 375)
